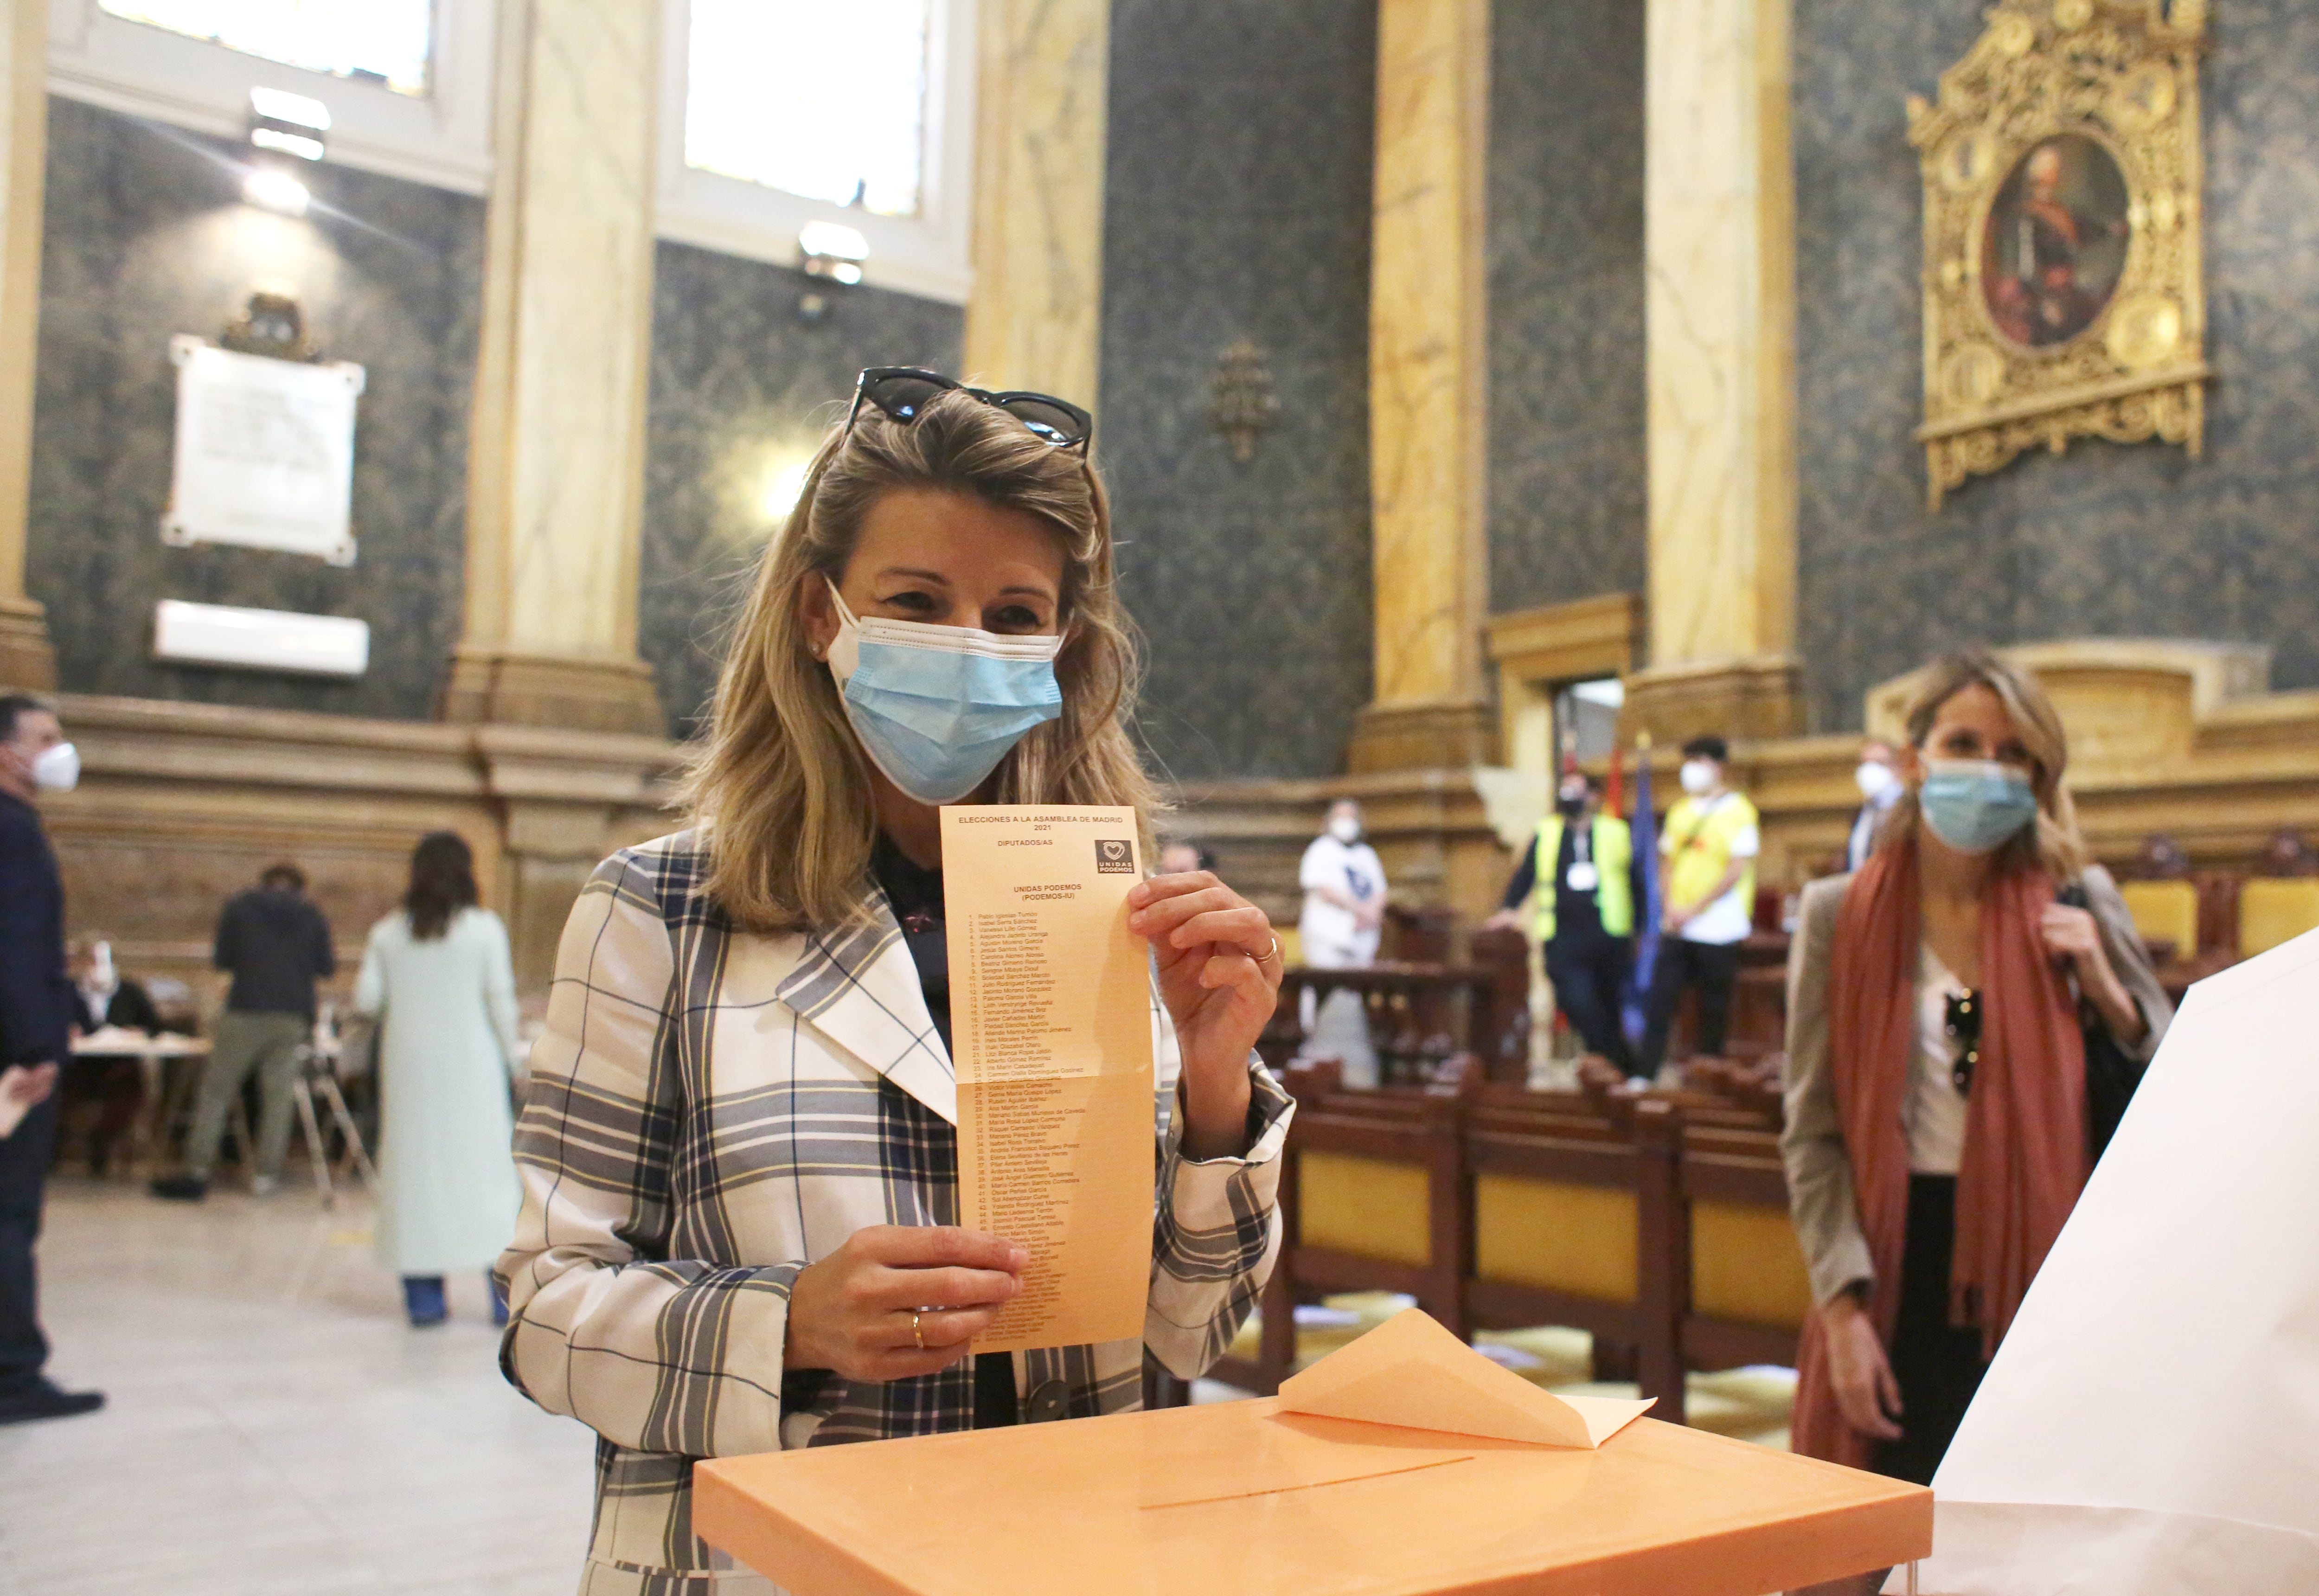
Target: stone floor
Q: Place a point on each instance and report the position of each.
(274, 1425)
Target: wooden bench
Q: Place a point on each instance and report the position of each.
(1371, 1199)
(1556, 1188)
(1729, 1287)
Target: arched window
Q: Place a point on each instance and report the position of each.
(821, 100)
(408, 83)
(385, 42)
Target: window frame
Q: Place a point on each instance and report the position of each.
(443, 138)
(927, 255)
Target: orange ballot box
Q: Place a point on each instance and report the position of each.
(1256, 1497)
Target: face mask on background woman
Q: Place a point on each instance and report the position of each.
(1345, 829)
(1976, 806)
(56, 769)
(937, 708)
(1697, 776)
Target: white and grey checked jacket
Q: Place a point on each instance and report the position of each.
(710, 1110)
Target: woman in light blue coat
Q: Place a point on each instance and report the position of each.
(437, 977)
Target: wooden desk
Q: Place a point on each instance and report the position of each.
(1240, 1497)
(154, 1052)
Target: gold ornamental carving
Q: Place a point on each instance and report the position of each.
(2064, 293)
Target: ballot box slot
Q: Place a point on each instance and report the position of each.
(1374, 1473)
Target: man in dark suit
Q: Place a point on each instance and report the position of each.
(36, 1023)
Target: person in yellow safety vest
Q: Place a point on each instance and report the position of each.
(1709, 845)
(1577, 881)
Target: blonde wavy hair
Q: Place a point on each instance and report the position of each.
(780, 790)
(2055, 843)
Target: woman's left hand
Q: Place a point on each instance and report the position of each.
(2071, 933)
(2074, 934)
(1220, 968)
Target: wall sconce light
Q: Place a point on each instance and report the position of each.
(275, 190)
(831, 253)
(291, 124)
(282, 127)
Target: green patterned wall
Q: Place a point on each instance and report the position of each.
(2106, 540)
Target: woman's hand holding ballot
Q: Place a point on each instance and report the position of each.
(1219, 970)
(897, 1301)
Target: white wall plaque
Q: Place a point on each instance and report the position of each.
(260, 639)
(266, 452)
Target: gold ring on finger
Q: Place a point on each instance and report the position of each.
(1270, 952)
(917, 1330)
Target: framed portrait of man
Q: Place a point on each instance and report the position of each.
(2063, 288)
(2055, 245)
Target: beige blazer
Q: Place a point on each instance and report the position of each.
(1820, 1168)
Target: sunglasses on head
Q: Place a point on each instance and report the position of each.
(902, 392)
(1963, 1026)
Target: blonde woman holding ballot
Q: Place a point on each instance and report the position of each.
(1967, 1015)
(739, 1157)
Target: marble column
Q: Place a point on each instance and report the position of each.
(26, 660)
(1033, 317)
(1428, 396)
(1719, 237)
(555, 474)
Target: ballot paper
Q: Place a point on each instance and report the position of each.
(1411, 1371)
(1050, 1032)
(2151, 1424)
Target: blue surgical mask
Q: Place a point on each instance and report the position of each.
(1975, 806)
(937, 708)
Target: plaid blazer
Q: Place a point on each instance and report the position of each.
(709, 1112)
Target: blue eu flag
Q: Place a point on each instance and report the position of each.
(1646, 905)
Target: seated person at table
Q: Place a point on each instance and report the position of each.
(113, 1085)
(739, 1157)
(1182, 857)
(1959, 1011)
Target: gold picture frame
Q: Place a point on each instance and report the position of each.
(2064, 293)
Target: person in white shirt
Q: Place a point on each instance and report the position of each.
(1341, 927)
(1344, 893)
(1880, 787)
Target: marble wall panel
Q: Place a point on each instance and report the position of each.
(2106, 540)
(146, 237)
(1035, 320)
(1567, 455)
(742, 389)
(1237, 205)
